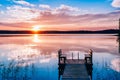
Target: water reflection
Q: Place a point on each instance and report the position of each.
(118, 42)
(105, 67)
(40, 52)
(16, 71)
(36, 38)
(115, 64)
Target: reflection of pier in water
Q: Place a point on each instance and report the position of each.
(71, 69)
(118, 43)
(119, 36)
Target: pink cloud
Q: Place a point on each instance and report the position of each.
(60, 18)
(14, 14)
(65, 8)
(21, 25)
(44, 6)
(79, 22)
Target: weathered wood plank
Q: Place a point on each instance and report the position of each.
(75, 70)
(75, 61)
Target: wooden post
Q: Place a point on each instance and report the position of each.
(91, 53)
(72, 56)
(64, 60)
(119, 26)
(119, 36)
(78, 55)
(59, 54)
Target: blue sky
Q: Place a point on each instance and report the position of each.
(94, 6)
(15, 14)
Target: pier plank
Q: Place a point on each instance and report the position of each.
(75, 70)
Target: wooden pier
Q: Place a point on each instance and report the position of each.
(75, 69)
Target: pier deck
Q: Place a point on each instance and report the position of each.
(75, 70)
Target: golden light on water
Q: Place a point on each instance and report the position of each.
(36, 38)
(36, 28)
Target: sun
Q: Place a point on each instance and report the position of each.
(36, 28)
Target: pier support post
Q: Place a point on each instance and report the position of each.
(119, 36)
(88, 62)
(91, 54)
(78, 55)
(61, 63)
(59, 54)
(72, 56)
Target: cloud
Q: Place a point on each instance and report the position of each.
(62, 9)
(14, 24)
(18, 14)
(116, 3)
(25, 3)
(85, 22)
(66, 8)
(58, 18)
(44, 6)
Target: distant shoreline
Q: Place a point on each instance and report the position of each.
(110, 31)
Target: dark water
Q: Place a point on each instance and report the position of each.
(34, 57)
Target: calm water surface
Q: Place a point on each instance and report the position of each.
(34, 57)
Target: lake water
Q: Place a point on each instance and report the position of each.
(35, 57)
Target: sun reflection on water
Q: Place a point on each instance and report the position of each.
(36, 38)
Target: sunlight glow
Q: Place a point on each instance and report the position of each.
(36, 28)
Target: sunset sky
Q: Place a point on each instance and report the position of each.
(59, 14)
